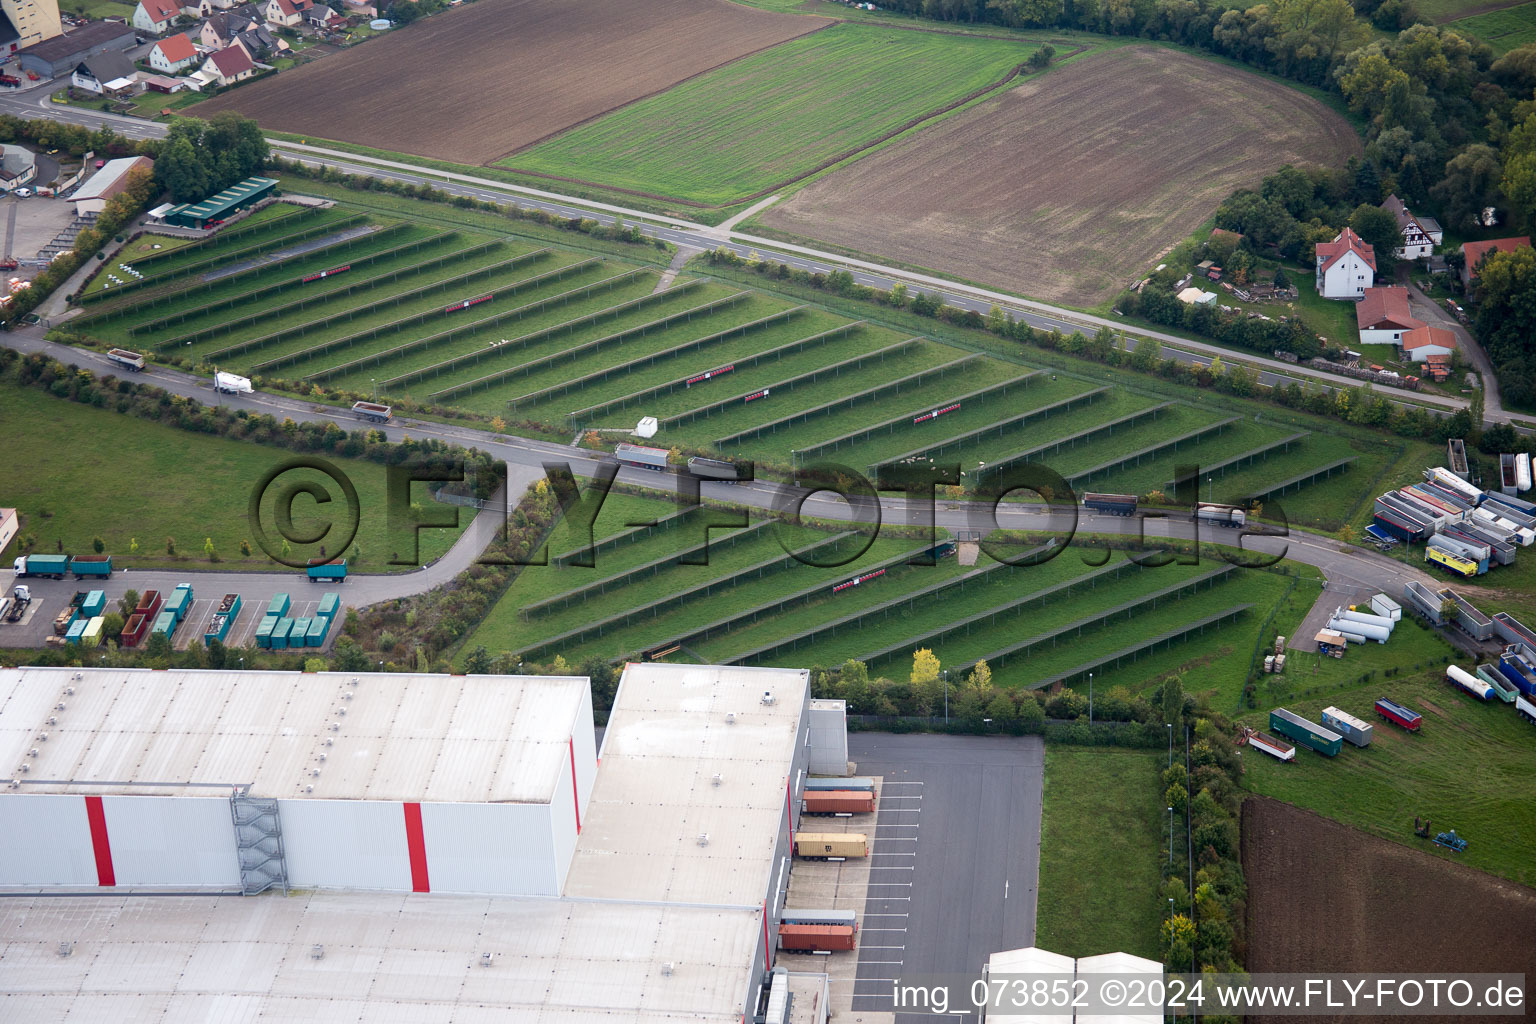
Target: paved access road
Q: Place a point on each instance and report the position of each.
(955, 857)
(1350, 570)
(688, 234)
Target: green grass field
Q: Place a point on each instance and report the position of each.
(814, 98)
(1099, 846)
(1469, 768)
(1504, 29)
(156, 481)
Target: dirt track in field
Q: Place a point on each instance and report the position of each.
(1326, 897)
(1067, 187)
(474, 84)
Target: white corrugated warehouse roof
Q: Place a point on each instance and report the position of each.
(669, 735)
(398, 958)
(1120, 964)
(384, 736)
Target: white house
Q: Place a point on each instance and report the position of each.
(1383, 316)
(197, 8)
(229, 65)
(1346, 267)
(285, 13)
(1420, 234)
(172, 53)
(156, 16)
(1422, 342)
(108, 72)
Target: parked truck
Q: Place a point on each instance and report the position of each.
(21, 597)
(831, 845)
(131, 361)
(1221, 515)
(838, 802)
(327, 569)
(97, 566)
(51, 567)
(1112, 504)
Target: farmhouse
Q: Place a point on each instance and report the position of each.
(106, 183)
(1383, 316)
(156, 16)
(1474, 253)
(60, 55)
(1346, 267)
(228, 66)
(285, 13)
(110, 73)
(32, 21)
(1420, 234)
(172, 53)
(1419, 344)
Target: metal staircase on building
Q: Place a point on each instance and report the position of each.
(259, 843)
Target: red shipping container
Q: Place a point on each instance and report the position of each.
(839, 801)
(149, 604)
(133, 632)
(815, 936)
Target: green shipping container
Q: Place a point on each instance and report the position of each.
(95, 603)
(318, 627)
(330, 604)
(264, 630)
(165, 623)
(75, 629)
(180, 602)
(1308, 734)
(278, 605)
(280, 633)
(297, 635)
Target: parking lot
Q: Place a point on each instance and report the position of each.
(30, 224)
(49, 597)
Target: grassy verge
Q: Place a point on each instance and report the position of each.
(75, 473)
(1099, 845)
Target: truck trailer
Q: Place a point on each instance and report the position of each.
(1274, 748)
(1458, 676)
(831, 845)
(231, 383)
(1221, 515)
(1398, 714)
(838, 801)
(95, 566)
(372, 411)
(1525, 709)
(816, 938)
(327, 569)
(1308, 734)
(222, 620)
(642, 457)
(130, 361)
(719, 469)
(1347, 725)
(863, 782)
(1111, 504)
(1503, 689)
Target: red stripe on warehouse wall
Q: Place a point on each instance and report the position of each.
(575, 790)
(100, 844)
(416, 843)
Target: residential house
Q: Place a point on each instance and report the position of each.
(1346, 267)
(1474, 253)
(1420, 234)
(229, 65)
(9, 524)
(197, 8)
(1419, 344)
(156, 16)
(258, 42)
(221, 29)
(108, 73)
(323, 19)
(18, 166)
(172, 53)
(1383, 316)
(285, 13)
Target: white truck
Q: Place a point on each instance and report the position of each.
(231, 384)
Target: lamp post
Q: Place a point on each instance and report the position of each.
(1170, 837)
(1090, 698)
(1170, 744)
(945, 673)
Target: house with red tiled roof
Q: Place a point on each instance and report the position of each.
(229, 65)
(1422, 342)
(156, 16)
(172, 53)
(1346, 267)
(1383, 316)
(1474, 253)
(287, 13)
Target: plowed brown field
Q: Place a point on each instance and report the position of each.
(1066, 187)
(477, 83)
(1323, 897)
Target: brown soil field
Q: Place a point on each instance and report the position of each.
(476, 83)
(1323, 897)
(1068, 186)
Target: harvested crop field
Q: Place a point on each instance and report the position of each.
(1067, 187)
(481, 81)
(1388, 907)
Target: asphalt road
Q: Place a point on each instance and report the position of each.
(35, 104)
(956, 856)
(1350, 570)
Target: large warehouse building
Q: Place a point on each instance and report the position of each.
(522, 882)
